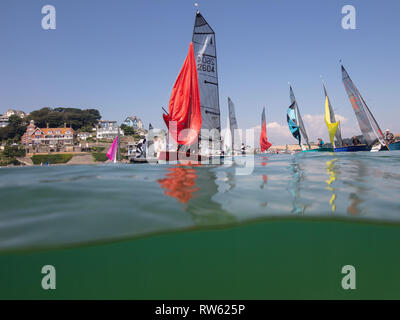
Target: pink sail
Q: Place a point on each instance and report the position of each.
(112, 152)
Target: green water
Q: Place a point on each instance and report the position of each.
(169, 232)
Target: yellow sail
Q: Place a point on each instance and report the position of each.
(332, 127)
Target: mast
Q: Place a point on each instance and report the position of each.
(299, 123)
(118, 157)
(206, 59)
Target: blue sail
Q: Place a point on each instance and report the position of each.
(292, 122)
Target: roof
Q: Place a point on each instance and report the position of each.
(62, 130)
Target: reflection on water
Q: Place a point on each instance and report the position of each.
(359, 185)
(297, 174)
(331, 170)
(264, 176)
(180, 183)
(196, 191)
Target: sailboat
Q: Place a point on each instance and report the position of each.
(295, 122)
(114, 153)
(205, 51)
(264, 143)
(194, 104)
(368, 125)
(330, 119)
(228, 150)
(232, 141)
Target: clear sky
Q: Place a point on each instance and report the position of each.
(123, 56)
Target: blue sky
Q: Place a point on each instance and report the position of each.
(123, 56)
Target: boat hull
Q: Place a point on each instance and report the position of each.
(353, 148)
(394, 146)
(189, 158)
(319, 150)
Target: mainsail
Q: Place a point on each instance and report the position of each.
(236, 141)
(228, 138)
(264, 143)
(332, 119)
(299, 122)
(368, 125)
(292, 122)
(184, 117)
(206, 60)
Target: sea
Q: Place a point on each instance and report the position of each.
(273, 226)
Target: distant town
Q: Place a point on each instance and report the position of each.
(61, 135)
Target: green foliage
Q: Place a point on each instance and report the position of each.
(128, 131)
(13, 131)
(13, 151)
(86, 128)
(5, 162)
(76, 118)
(99, 156)
(98, 149)
(51, 158)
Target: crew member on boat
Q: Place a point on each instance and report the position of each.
(356, 142)
(388, 136)
(320, 143)
(243, 149)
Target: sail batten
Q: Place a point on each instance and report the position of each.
(366, 121)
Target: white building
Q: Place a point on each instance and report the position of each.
(107, 130)
(3, 121)
(84, 135)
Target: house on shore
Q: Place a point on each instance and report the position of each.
(48, 136)
(107, 129)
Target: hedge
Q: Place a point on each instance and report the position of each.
(99, 156)
(51, 158)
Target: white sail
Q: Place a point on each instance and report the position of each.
(228, 138)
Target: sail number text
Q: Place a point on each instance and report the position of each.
(205, 64)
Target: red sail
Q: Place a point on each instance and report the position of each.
(184, 105)
(264, 143)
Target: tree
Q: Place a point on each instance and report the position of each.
(128, 131)
(14, 130)
(74, 117)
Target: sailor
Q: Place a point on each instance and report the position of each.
(243, 148)
(388, 136)
(356, 141)
(320, 142)
(140, 149)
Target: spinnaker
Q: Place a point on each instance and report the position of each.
(299, 120)
(332, 126)
(292, 122)
(264, 143)
(184, 117)
(331, 119)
